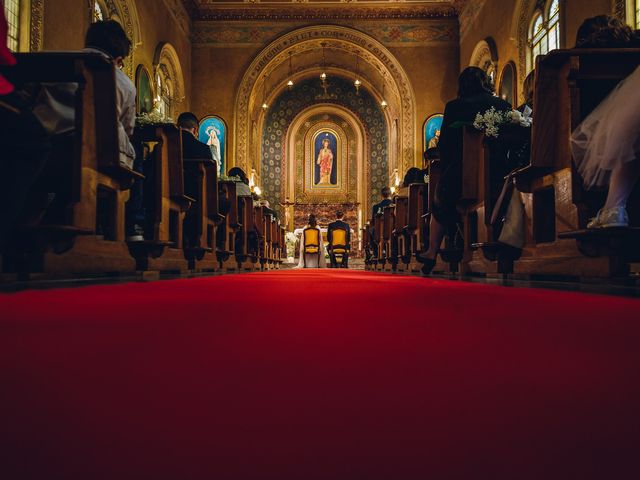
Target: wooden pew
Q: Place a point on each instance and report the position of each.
(202, 255)
(417, 215)
(378, 240)
(226, 252)
(245, 252)
(569, 85)
(268, 251)
(162, 249)
(401, 238)
(389, 241)
(283, 245)
(366, 243)
(260, 224)
(481, 187)
(83, 231)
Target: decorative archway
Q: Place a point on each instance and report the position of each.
(125, 13)
(353, 196)
(398, 93)
(166, 64)
(485, 56)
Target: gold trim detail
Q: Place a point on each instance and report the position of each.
(37, 20)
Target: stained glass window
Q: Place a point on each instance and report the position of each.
(12, 12)
(544, 34)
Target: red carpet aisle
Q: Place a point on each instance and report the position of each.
(318, 375)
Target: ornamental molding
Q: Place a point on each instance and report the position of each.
(334, 117)
(619, 9)
(180, 13)
(392, 33)
(334, 37)
(527, 8)
(326, 12)
(37, 21)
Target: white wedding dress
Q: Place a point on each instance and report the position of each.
(312, 260)
(610, 135)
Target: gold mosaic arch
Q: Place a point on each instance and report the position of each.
(166, 56)
(335, 37)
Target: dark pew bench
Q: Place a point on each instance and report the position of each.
(569, 85)
(165, 201)
(83, 230)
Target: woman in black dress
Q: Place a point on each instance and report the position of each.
(475, 95)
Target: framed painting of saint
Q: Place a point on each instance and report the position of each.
(144, 93)
(326, 159)
(213, 132)
(431, 133)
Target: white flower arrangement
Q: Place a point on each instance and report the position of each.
(226, 178)
(152, 118)
(490, 122)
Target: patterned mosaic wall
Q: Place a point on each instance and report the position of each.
(288, 105)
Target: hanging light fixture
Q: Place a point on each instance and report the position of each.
(323, 75)
(265, 105)
(357, 81)
(383, 102)
(290, 82)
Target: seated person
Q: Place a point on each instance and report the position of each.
(312, 252)
(606, 145)
(55, 107)
(527, 89)
(54, 110)
(386, 201)
(339, 237)
(192, 149)
(414, 175)
(475, 95)
(242, 187)
(243, 190)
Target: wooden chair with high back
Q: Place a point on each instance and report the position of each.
(311, 246)
(338, 248)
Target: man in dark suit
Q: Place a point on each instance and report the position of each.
(339, 224)
(192, 149)
(386, 201)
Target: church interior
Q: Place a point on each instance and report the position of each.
(319, 239)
